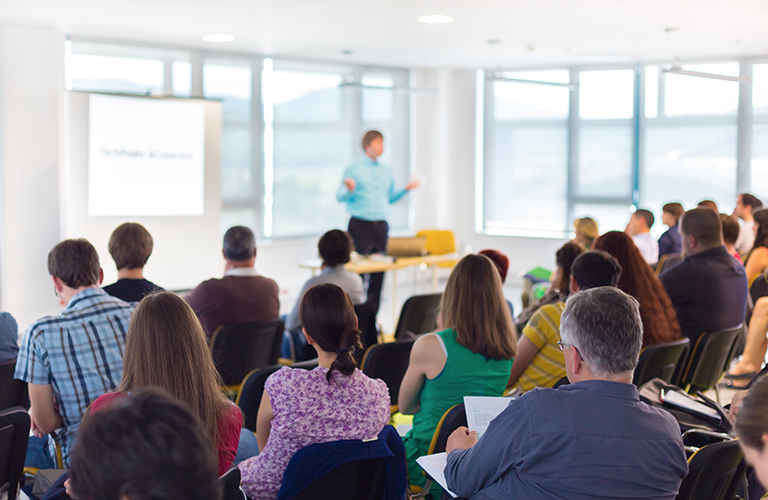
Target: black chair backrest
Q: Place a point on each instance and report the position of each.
(357, 480)
(238, 349)
(709, 359)
(419, 314)
(561, 382)
(714, 473)
(389, 363)
(366, 323)
(452, 420)
(249, 397)
(230, 485)
(12, 392)
(670, 260)
(660, 361)
(14, 435)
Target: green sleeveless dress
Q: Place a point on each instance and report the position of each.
(465, 374)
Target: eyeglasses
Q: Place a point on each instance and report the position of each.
(562, 345)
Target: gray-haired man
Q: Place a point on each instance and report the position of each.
(591, 439)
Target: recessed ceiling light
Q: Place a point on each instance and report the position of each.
(218, 38)
(435, 19)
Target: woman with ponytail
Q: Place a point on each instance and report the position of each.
(332, 402)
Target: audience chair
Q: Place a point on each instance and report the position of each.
(366, 323)
(660, 361)
(230, 485)
(389, 363)
(708, 361)
(12, 392)
(419, 315)
(714, 473)
(358, 480)
(667, 261)
(439, 242)
(455, 417)
(563, 381)
(14, 435)
(238, 349)
(252, 388)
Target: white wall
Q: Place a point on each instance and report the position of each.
(31, 118)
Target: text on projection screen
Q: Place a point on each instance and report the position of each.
(146, 157)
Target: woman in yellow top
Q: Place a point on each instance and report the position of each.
(757, 260)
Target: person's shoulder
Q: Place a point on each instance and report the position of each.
(8, 322)
(546, 314)
(106, 401)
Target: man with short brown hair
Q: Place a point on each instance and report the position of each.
(130, 247)
(71, 359)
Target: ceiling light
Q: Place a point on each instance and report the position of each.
(397, 90)
(218, 38)
(676, 69)
(435, 19)
(499, 77)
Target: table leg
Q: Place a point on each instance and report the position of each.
(435, 281)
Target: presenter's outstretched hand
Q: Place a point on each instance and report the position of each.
(412, 185)
(461, 439)
(350, 183)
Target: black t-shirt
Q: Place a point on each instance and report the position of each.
(131, 290)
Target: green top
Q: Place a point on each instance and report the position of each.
(465, 374)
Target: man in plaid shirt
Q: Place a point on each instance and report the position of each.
(71, 359)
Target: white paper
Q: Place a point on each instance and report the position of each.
(676, 399)
(403, 429)
(482, 409)
(434, 466)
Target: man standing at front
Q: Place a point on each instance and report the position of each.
(368, 188)
(588, 440)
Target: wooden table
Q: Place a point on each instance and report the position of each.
(365, 266)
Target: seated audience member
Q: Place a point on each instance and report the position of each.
(561, 280)
(9, 337)
(708, 288)
(708, 204)
(751, 418)
(130, 247)
(591, 439)
(502, 264)
(242, 295)
(471, 358)
(639, 228)
(166, 348)
(539, 361)
(334, 401)
(730, 234)
(746, 207)
(149, 446)
(334, 248)
(71, 359)
(670, 240)
(757, 259)
(586, 232)
(637, 279)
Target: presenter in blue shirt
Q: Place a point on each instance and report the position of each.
(368, 188)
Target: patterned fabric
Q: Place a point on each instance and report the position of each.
(79, 352)
(307, 409)
(548, 366)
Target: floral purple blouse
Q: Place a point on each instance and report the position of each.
(307, 409)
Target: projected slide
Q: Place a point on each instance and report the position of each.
(146, 157)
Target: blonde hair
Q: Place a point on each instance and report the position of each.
(166, 347)
(473, 304)
(588, 226)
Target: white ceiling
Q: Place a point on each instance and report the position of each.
(530, 32)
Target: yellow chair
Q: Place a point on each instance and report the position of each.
(439, 242)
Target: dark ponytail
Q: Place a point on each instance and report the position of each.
(328, 315)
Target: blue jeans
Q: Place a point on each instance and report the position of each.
(39, 453)
(248, 446)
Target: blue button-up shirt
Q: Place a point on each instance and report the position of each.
(374, 190)
(592, 439)
(79, 352)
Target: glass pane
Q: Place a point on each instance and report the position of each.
(605, 162)
(759, 182)
(236, 166)
(308, 168)
(605, 95)
(608, 217)
(232, 84)
(527, 101)
(377, 104)
(117, 74)
(760, 89)
(689, 164)
(238, 217)
(651, 91)
(525, 184)
(182, 78)
(306, 97)
(691, 95)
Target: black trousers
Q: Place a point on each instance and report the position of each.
(370, 237)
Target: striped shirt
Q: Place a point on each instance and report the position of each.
(79, 353)
(548, 366)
